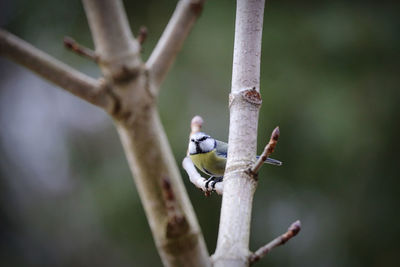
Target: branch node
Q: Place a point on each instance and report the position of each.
(250, 95)
(292, 231)
(252, 174)
(116, 109)
(80, 49)
(125, 74)
(177, 224)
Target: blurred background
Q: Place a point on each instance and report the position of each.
(329, 79)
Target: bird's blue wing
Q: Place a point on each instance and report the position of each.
(222, 149)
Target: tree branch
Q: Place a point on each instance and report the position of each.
(268, 150)
(80, 49)
(115, 45)
(245, 101)
(167, 206)
(171, 41)
(292, 231)
(53, 70)
(198, 180)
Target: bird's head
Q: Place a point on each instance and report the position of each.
(201, 143)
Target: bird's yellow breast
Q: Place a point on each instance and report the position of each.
(210, 163)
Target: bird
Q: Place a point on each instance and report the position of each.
(209, 155)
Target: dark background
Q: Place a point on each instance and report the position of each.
(329, 79)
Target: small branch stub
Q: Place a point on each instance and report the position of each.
(292, 231)
(196, 124)
(251, 95)
(142, 35)
(80, 49)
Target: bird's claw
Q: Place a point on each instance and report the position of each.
(208, 181)
(217, 180)
(212, 181)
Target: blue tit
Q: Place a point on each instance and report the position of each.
(209, 156)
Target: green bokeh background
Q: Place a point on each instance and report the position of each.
(329, 79)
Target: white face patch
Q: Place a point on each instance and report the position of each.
(207, 145)
(201, 143)
(192, 148)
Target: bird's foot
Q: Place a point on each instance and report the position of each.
(211, 179)
(216, 180)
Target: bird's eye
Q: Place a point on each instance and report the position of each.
(192, 140)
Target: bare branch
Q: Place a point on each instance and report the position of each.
(293, 230)
(268, 150)
(170, 214)
(52, 69)
(245, 101)
(80, 49)
(171, 41)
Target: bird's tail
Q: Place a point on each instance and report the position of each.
(272, 161)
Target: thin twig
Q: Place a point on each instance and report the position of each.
(80, 49)
(293, 230)
(171, 41)
(52, 69)
(268, 150)
(142, 35)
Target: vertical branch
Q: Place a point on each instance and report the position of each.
(168, 209)
(114, 42)
(245, 100)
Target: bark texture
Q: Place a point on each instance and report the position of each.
(244, 101)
